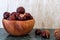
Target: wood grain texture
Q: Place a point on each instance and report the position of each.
(18, 27)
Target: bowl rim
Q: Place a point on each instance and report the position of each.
(17, 20)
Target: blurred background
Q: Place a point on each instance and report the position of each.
(45, 12)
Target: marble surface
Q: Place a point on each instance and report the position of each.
(31, 36)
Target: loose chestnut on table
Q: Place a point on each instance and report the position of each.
(38, 32)
(57, 33)
(45, 34)
(18, 27)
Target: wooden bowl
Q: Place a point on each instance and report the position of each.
(18, 28)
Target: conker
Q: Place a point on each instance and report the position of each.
(6, 15)
(45, 34)
(25, 16)
(22, 17)
(14, 13)
(38, 32)
(12, 16)
(57, 34)
(17, 16)
(28, 16)
(20, 10)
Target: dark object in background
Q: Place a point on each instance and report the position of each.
(20, 10)
(6, 15)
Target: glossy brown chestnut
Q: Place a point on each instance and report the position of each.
(21, 17)
(14, 13)
(25, 16)
(6, 15)
(38, 32)
(17, 16)
(12, 16)
(45, 34)
(18, 28)
(28, 16)
(57, 33)
(20, 10)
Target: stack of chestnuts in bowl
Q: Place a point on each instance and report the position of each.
(18, 23)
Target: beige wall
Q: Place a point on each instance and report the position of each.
(45, 12)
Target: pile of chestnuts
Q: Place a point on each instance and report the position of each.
(20, 14)
(44, 34)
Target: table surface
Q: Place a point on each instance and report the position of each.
(31, 36)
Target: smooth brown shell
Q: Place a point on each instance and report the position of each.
(57, 33)
(17, 28)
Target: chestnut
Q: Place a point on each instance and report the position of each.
(45, 34)
(17, 16)
(6, 15)
(14, 13)
(12, 16)
(38, 32)
(20, 10)
(57, 33)
(25, 16)
(22, 17)
(28, 16)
